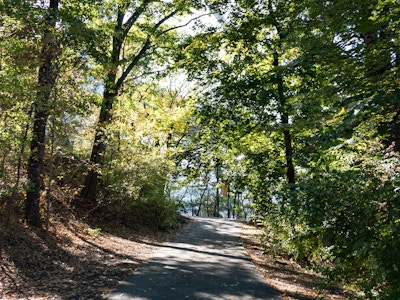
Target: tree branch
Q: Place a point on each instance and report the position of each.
(133, 63)
(163, 20)
(135, 16)
(184, 25)
(143, 50)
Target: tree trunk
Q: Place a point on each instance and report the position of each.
(99, 144)
(234, 204)
(201, 200)
(217, 199)
(109, 95)
(208, 209)
(229, 203)
(395, 126)
(46, 81)
(290, 174)
(10, 200)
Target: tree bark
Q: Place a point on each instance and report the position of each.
(109, 95)
(229, 204)
(99, 144)
(201, 200)
(290, 173)
(234, 204)
(112, 87)
(395, 126)
(46, 81)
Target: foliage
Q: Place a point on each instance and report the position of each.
(143, 139)
(355, 213)
(283, 66)
(293, 111)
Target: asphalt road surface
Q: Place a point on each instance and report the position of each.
(207, 261)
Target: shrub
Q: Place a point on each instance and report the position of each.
(346, 222)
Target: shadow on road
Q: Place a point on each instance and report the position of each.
(207, 261)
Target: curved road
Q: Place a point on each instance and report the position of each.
(207, 261)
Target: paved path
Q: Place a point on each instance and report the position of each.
(207, 261)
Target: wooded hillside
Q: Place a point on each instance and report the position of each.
(283, 112)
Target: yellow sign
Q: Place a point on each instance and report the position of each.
(224, 190)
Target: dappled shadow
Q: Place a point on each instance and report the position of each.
(192, 249)
(72, 261)
(209, 236)
(294, 279)
(287, 273)
(35, 258)
(299, 296)
(206, 262)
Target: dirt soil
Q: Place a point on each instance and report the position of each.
(75, 260)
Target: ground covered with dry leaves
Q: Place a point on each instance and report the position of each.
(76, 260)
(288, 277)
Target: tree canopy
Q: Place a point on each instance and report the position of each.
(284, 112)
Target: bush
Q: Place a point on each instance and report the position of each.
(135, 191)
(161, 213)
(346, 222)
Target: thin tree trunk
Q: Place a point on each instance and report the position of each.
(50, 179)
(207, 203)
(217, 198)
(395, 126)
(10, 200)
(234, 204)
(46, 81)
(201, 201)
(229, 203)
(290, 174)
(4, 158)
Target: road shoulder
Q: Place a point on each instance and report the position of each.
(292, 280)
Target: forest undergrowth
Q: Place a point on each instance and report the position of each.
(293, 279)
(81, 257)
(78, 257)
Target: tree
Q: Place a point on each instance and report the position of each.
(360, 56)
(17, 75)
(46, 81)
(138, 32)
(334, 85)
(255, 85)
(149, 124)
(40, 58)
